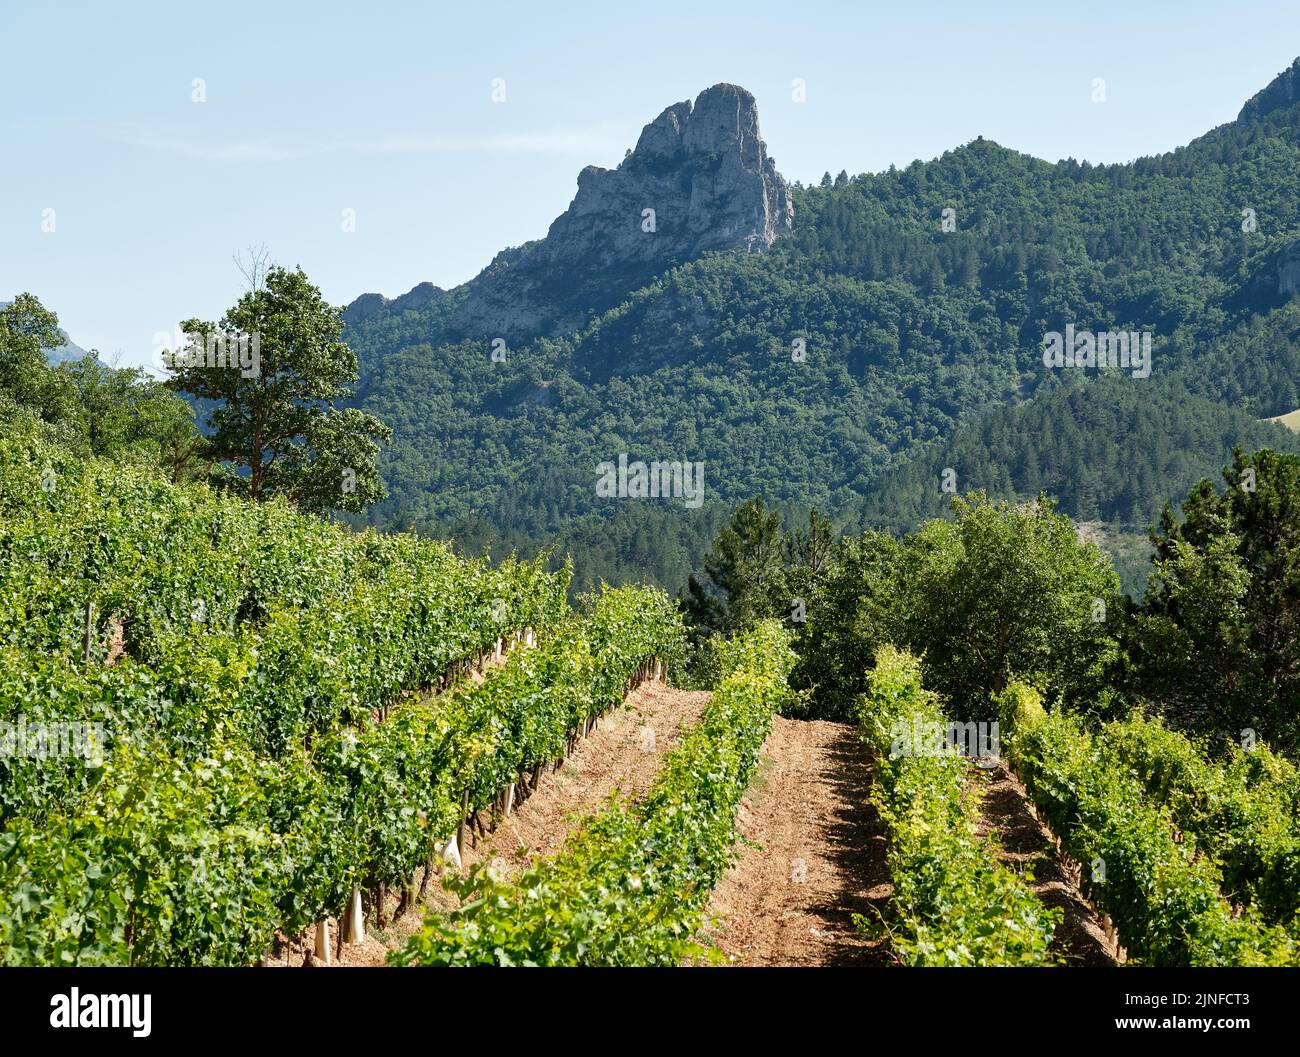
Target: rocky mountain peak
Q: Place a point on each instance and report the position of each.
(368, 305)
(661, 140)
(699, 179)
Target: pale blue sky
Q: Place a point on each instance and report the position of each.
(386, 109)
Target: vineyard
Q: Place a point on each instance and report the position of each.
(280, 714)
(245, 729)
(1188, 862)
(629, 885)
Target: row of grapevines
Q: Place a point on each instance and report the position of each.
(275, 619)
(956, 904)
(1243, 813)
(170, 861)
(297, 673)
(628, 887)
(197, 860)
(59, 720)
(158, 557)
(278, 684)
(531, 707)
(304, 629)
(1164, 899)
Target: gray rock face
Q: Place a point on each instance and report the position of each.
(700, 179)
(705, 173)
(368, 305)
(1288, 270)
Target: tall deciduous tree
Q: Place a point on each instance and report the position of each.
(1010, 589)
(274, 366)
(855, 605)
(27, 330)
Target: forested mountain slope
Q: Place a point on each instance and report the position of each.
(804, 361)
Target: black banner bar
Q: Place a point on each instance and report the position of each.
(1220, 1007)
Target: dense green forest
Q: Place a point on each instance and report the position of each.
(1000, 588)
(870, 346)
(1108, 453)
